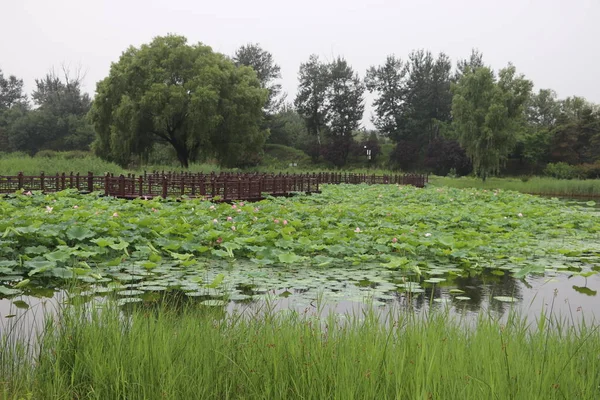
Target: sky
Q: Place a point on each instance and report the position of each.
(553, 42)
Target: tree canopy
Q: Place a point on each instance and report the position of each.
(487, 114)
(185, 95)
(267, 72)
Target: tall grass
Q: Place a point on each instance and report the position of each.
(534, 185)
(198, 354)
(59, 162)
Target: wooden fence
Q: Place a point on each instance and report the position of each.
(218, 186)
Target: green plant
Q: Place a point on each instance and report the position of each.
(560, 170)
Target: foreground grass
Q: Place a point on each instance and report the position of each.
(195, 354)
(546, 186)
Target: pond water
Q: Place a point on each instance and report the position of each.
(565, 292)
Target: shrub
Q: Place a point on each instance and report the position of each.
(588, 171)
(442, 156)
(405, 155)
(560, 170)
(46, 154)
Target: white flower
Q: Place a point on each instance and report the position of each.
(357, 230)
(427, 234)
(520, 215)
(49, 209)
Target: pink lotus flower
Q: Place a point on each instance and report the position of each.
(233, 206)
(357, 230)
(395, 240)
(75, 206)
(28, 193)
(219, 240)
(520, 215)
(233, 228)
(229, 219)
(276, 221)
(211, 207)
(242, 204)
(285, 222)
(49, 209)
(215, 221)
(115, 215)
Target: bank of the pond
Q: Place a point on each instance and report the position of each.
(589, 188)
(198, 354)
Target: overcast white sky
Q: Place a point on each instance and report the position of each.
(555, 43)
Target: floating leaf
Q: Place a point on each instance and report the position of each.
(79, 232)
(506, 299)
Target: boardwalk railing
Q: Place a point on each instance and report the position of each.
(224, 186)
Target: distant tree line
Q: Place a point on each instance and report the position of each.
(430, 114)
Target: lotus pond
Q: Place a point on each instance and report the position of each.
(384, 244)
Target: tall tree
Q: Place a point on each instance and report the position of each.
(13, 103)
(388, 83)
(60, 120)
(466, 65)
(11, 92)
(184, 95)
(311, 100)
(267, 71)
(488, 113)
(346, 107)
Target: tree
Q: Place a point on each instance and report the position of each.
(60, 120)
(13, 102)
(465, 65)
(267, 71)
(487, 114)
(287, 128)
(188, 96)
(311, 100)
(388, 82)
(413, 101)
(346, 107)
(11, 92)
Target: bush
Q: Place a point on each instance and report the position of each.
(70, 155)
(560, 170)
(405, 155)
(442, 156)
(588, 171)
(46, 154)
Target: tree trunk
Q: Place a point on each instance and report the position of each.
(182, 155)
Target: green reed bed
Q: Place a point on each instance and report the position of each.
(198, 354)
(13, 163)
(546, 186)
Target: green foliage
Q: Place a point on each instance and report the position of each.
(267, 71)
(487, 114)
(287, 128)
(188, 96)
(311, 100)
(560, 170)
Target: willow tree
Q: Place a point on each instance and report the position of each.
(184, 95)
(488, 114)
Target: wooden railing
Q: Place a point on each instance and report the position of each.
(218, 186)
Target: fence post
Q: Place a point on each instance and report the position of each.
(165, 186)
(106, 184)
(121, 185)
(20, 180)
(90, 182)
(42, 187)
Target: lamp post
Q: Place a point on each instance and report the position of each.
(368, 153)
